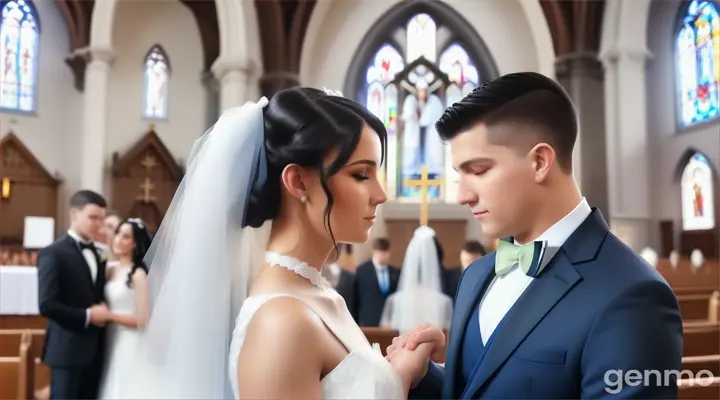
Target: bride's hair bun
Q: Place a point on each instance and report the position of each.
(301, 126)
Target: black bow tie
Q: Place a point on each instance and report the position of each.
(89, 245)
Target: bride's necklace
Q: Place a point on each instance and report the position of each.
(299, 267)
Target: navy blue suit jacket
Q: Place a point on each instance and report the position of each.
(595, 310)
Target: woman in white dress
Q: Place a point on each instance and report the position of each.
(240, 309)
(126, 296)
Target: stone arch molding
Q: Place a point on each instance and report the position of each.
(321, 45)
(235, 25)
(625, 28)
(685, 158)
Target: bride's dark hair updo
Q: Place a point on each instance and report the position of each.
(301, 126)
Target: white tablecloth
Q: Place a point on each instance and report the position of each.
(18, 291)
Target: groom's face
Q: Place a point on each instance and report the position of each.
(498, 179)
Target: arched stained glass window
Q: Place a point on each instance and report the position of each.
(157, 75)
(698, 211)
(19, 34)
(409, 95)
(698, 63)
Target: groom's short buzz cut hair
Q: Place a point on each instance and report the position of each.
(525, 100)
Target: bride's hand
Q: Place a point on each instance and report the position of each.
(427, 334)
(411, 365)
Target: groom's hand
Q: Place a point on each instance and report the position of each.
(422, 334)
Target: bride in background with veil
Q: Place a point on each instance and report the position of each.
(239, 306)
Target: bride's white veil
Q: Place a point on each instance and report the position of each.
(201, 264)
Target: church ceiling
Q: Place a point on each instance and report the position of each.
(282, 25)
(77, 14)
(206, 17)
(575, 25)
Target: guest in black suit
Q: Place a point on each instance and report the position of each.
(472, 251)
(71, 281)
(375, 280)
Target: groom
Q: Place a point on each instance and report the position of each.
(71, 282)
(562, 309)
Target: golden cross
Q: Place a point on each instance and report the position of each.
(149, 162)
(424, 183)
(147, 187)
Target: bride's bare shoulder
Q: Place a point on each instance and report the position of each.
(285, 334)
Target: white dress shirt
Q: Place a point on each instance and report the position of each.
(92, 264)
(504, 290)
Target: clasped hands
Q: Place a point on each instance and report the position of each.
(100, 315)
(410, 353)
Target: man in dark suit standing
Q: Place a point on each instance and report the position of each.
(471, 252)
(71, 281)
(375, 280)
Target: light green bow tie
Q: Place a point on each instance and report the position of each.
(529, 257)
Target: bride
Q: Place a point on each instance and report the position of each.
(239, 306)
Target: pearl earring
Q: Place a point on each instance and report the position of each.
(303, 198)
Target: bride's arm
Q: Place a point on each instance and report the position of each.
(140, 292)
(281, 356)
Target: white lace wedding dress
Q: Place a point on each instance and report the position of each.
(363, 374)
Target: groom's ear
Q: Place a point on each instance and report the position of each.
(542, 157)
(292, 179)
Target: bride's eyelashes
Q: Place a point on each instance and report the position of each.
(361, 175)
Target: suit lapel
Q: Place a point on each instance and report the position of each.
(556, 280)
(530, 308)
(478, 276)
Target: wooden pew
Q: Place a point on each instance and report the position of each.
(10, 341)
(701, 339)
(694, 389)
(698, 307)
(22, 322)
(696, 364)
(381, 336)
(17, 372)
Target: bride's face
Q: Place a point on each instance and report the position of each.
(355, 190)
(123, 242)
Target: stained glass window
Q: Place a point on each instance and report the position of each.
(409, 96)
(157, 74)
(698, 63)
(19, 34)
(421, 33)
(698, 211)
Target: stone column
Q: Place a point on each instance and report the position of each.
(272, 82)
(233, 76)
(92, 168)
(582, 77)
(212, 95)
(627, 143)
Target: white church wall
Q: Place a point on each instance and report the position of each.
(137, 27)
(53, 132)
(669, 141)
(514, 31)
